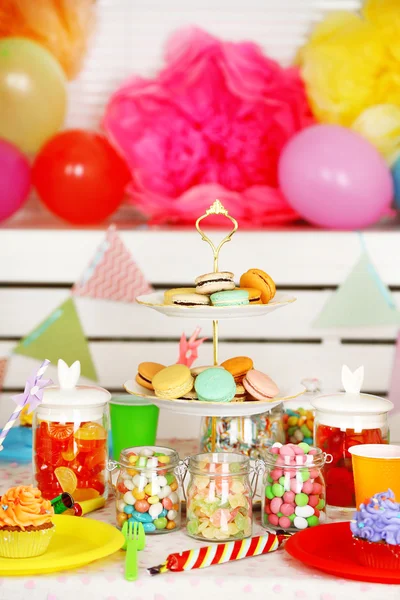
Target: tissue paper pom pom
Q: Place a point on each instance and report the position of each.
(215, 118)
(380, 125)
(61, 26)
(342, 65)
(385, 16)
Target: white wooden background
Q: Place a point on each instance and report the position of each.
(39, 264)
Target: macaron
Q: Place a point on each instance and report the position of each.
(197, 370)
(238, 367)
(173, 382)
(241, 394)
(215, 385)
(255, 278)
(214, 282)
(254, 295)
(169, 293)
(230, 298)
(190, 300)
(189, 396)
(146, 372)
(260, 386)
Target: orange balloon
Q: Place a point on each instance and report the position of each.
(80, 177)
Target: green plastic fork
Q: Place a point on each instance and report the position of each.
(135, 540)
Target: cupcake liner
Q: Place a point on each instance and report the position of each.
(25, 544)
(376, 555)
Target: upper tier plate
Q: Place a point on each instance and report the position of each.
(156, 301)
(214, 409)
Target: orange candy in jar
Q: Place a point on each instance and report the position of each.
(70, 451)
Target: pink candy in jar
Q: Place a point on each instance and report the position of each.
(294, 488)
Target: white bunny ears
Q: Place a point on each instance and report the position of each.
(352, 382)
(68, 376)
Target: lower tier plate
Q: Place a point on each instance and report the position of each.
(215, 409)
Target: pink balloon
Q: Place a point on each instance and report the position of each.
(15, 179)
(334, 178)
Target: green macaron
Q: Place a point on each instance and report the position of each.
(215, 385)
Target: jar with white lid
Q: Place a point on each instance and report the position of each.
(344, 420)
(70, 431)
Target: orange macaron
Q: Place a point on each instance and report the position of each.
(146, 372)
(238, 367)
(254, 295)
(255, 278)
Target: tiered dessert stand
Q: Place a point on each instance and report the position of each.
(215, 409)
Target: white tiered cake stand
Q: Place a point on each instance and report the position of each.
(216, 409)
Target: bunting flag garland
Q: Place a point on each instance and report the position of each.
(394, 388)
(112, 274)
(60, 335)
(362, 300)
(3, 371)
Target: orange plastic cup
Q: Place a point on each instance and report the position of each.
(376, 467)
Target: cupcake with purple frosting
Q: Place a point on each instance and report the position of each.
(376, 532)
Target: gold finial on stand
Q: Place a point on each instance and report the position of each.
(216, 209)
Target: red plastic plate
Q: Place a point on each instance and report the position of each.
(329, 548)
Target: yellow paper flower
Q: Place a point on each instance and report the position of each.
(381, 126)
(25, 419)
(351, 62)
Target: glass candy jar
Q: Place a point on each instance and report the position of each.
(298, 418)
(219, 497)
(70, 430)
(147, 489)
(248, 435)
(293, 488)
(344, 420)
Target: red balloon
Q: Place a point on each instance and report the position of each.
(80, 177)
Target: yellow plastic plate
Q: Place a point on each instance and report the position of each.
(76, 542)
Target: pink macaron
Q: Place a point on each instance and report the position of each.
(259, 385)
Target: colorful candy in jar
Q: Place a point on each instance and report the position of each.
(147, 490)
(70, 438)
(298, 426)
(294, 488)
(344, 420)
(248, 435)
(219, 498)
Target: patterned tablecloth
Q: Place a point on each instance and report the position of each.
(274, 576)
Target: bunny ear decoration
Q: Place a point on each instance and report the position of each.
(68, 376)
(352, 382)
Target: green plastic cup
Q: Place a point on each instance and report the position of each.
(134, 422)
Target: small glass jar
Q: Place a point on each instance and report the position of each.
(147, 489)
(70, 430)
(248, 435)
(219, 497)
(344, 420)
(298, 418)
(294, 490)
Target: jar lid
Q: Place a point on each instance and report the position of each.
(68, 393)
(352, 401)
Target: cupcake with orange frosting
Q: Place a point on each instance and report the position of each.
(26, 526)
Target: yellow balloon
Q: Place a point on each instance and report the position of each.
(33, 94)
(380, 125)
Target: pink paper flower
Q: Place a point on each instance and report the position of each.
(211, 124)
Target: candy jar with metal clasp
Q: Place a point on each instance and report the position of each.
(344, 420)
(148, 488)
(219, 496)
(70, 430)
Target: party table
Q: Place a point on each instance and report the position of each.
(275, 575)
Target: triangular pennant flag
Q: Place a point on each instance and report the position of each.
(394, 389)
(60, 335)
(3, 370)
(112, 273)
(362, 300)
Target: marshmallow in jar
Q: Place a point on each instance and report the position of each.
(344, 420)
(70, 430)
